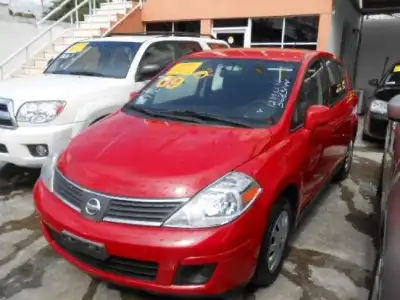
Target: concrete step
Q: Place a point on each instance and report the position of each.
(38, 62)
(112, 11)
(95, 24)
(31, 70)
(69, 40)
(83, 33)
(116, 5)
(103, 18)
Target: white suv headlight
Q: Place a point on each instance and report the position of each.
(40, 111)
(378, 106)
(218, 204)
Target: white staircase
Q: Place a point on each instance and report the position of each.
(97, 23)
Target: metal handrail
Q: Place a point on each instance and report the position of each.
(48, 29)
(140, 5)
(51, 13)
(25, 47)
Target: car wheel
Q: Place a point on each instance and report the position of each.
(345, 168)
(274, 245)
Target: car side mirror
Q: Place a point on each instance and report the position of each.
(147, 72)
(317, 115)
(373, 82)
(49, 62)
(394, 109)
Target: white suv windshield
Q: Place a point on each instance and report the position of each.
(102, 59)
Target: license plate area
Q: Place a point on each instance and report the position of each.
(76, 243)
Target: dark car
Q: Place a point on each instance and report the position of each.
(375, 108)
(387, 270)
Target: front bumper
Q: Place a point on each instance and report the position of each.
(375, 125)
(232, 248)
(13, 143)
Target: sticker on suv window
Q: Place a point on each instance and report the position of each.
(184, 68)
(78, 47)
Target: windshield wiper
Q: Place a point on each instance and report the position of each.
(162, 114)
(208, 117)
(83, 73)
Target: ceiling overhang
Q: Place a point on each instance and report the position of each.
(378, 6)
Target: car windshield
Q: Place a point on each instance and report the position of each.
(393, 79)
(101, 59)
(248, 92)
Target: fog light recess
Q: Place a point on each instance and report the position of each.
(194, 274)
(40, 150)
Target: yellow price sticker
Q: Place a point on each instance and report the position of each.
(170, 82)
(78, 47)
(184, 68)
(396, 69)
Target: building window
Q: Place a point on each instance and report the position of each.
(301, 30)
(181, 26)
(290, 32)
(267, 30)
(187, 26)
(159, 26)
(230, 23)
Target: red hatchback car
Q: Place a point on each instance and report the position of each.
(194, 186)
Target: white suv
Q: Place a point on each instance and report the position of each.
(84, 84)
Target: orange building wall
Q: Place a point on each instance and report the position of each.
(169, 10)
(132, 23)
(207, 10)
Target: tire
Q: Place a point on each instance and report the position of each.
(345, 167)
(265, 273)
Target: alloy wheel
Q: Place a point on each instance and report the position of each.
(277, 241)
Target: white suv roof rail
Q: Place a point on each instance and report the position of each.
(164, 33)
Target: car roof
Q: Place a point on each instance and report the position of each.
(298, 55)
(143, 38)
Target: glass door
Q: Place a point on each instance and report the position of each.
(236, 38)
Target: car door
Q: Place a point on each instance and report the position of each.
(312, 92)
(340, 102)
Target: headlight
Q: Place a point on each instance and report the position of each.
(47, 171)
(40, 111)
(218, 204)
(378, 106)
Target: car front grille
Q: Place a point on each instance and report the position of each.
(120, 209)
(6, 119)
(378, 127)
(142, 270)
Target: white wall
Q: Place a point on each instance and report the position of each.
(344, 20)
(380, 38)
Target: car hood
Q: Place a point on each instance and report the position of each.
(387, 93)
(136, 157)
(52, 87)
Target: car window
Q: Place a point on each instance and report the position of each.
(314, 90)
(186, 47)
(337, 78)
(217, 45)
(102, 59)
(160, 53)
(250, 90)
(393, 77)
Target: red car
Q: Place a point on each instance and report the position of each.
(195, 185)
